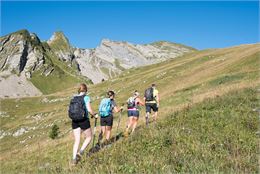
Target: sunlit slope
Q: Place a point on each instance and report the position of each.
(181, 82)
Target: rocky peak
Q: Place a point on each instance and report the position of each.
(58, 37)
(60, 44)
(34, 39)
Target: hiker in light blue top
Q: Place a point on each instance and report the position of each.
(106, 109)
(78, 112)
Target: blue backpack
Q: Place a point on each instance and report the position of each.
(105, 107)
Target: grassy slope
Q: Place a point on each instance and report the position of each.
(214, 136)
(62, 76)
(183, 81)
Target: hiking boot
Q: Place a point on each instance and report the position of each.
(73, 162)
(78, 157)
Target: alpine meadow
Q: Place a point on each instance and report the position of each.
(208, 119)
(129, 87)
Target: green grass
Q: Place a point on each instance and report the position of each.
(161, 44)
(60, 43)
(62, 76)
(117, 63)
(105, 70)
(225, 79)
(57, 81)
(216, 136)
(192, 137)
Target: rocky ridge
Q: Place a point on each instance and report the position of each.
(22, 54)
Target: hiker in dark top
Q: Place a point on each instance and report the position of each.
(133, 104)
(152, 101)
(82, 126)
(106, 109)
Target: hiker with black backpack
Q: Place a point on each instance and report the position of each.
(106, 109)
(78, 112)
(151, 97)
(133, 104)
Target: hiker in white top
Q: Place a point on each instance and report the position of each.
(133, 104)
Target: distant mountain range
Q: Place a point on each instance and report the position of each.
(29, 66)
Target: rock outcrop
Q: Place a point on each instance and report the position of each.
(60, 44)
(21, 51)
(22, 54)
(111, 57)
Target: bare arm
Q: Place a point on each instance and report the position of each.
(90, 109)
(158, 99)
(116, 109)
(140, 102)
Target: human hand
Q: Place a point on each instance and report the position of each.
(94, 115)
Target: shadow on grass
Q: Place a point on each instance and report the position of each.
(100, 146)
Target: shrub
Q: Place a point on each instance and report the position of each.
(54, 132)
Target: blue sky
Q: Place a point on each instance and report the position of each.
(200, 24)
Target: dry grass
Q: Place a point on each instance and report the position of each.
(182, 82)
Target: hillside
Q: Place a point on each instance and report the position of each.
(182, 82)
(26, 62)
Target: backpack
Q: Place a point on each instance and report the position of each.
(77, 111)
(105, 107)
(149, 94)
(131, 102)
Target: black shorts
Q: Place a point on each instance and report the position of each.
(85, 124)
(106, 121)
(133, 113)
(149, 106)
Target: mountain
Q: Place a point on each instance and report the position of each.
(26, 62)
(219, 135)
(111, 57)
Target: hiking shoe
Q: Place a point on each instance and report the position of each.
(78, 157)
(73, 162)
(108, 145)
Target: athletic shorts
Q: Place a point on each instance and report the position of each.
(149, 106)
(85, 124)
(134, 113)
(106, 121)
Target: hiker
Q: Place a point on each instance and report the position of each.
(106, 109)
(152, 101)
(78, 112)
(133, 104)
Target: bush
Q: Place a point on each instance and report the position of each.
(54, 132)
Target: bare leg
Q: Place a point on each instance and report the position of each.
(88, 136)
(147, 118)
(155, 116)
(102, 134)
(108, 132)
(76, 133)
(130, 123)
(135, 120)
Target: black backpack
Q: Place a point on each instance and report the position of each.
(149, 94)
(77, 110)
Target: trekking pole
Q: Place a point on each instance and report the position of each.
(94, 131)
(120, 115)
